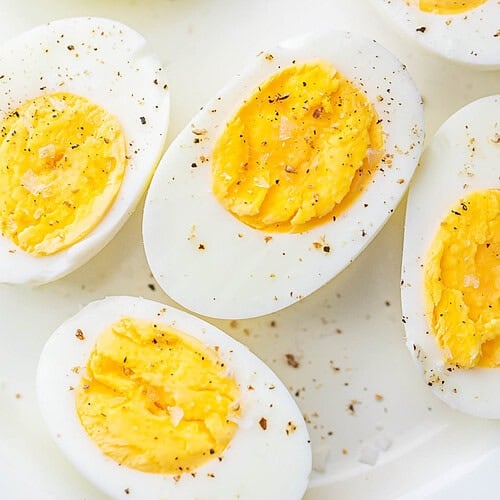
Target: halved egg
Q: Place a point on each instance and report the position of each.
(150, 402)
(281, 180)
(467, 32)
(451, 261)
(84, 109)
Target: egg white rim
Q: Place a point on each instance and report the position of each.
(451, 36)
(443, 179)
(124, 61)
(250, 290)
(267, 397)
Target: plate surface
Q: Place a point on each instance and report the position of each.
(376, 430)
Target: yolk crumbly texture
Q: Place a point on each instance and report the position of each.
(298, 151)
(462, 282)
(157, 400)
(62, 162)
(449, 6)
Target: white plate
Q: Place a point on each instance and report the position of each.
(348, 336)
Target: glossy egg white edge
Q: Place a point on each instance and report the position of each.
(469, 38)
(451, 167)
(242, 272)
(264, 464)
(113, 66)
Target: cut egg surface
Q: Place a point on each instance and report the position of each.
(84, 110)
(466, 32)
(281, 180)
(148, 401)
(451, 261)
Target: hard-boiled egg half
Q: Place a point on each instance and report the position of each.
(284, 177)
(84, 109)
(465, 31)
(151, 402)
(451, 261)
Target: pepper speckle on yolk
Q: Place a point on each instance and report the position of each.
(157, 400)
(449, 6)
(298, 151)
(62, 161)
(462, 282)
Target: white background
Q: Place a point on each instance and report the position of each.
(348, 336)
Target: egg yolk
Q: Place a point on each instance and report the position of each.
(62, 161)
(298, 151)
(449, 6)
(157, 400)
(462, 282)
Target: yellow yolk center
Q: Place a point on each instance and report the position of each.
(462, 282)
(299, 150)
(62, 161)
(157, 400)
(449, 6)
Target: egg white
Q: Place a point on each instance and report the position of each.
(469, 38)
(113, 66)
(238, 271)
(450, 169)
(258, 463)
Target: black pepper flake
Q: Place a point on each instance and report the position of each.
(193, 165)
(291, 360)
(455, 212)
(143, 120)
(151, 286)
(263, 423)
(79, 334)
(326, 249)
(127, 491)
(351, 408)
(277, 97)
(71, 47)
(317, 112)
(421, 29)
(290, 428)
